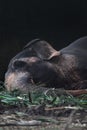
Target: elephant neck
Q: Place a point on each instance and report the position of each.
(67, 72)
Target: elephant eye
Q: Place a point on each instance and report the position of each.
(19, 64)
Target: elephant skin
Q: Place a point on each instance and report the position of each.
(39, 63)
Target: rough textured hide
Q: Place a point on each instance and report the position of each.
(40, 63)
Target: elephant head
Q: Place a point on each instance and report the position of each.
(34, 65)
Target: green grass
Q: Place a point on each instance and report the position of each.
(50, 100)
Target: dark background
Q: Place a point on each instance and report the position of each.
(60, 22)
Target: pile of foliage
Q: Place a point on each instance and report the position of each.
(48, 97)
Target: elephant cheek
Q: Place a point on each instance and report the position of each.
(20, 81)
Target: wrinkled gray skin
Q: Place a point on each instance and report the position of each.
(40, 63)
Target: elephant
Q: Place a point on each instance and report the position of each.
(39, 63)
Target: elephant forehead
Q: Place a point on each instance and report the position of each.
(29, 59)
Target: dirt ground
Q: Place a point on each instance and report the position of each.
(43, 118)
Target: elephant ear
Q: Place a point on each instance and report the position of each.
(42, 49)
